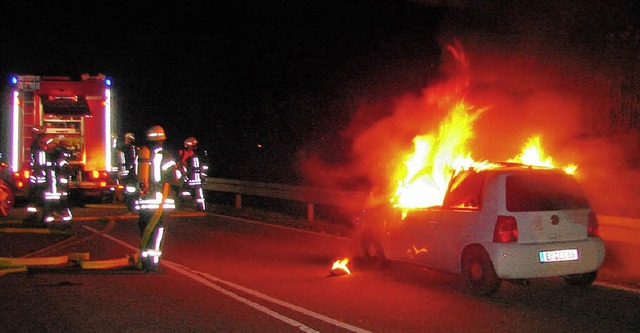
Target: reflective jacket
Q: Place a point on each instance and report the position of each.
(127, 159)
(190, 163)
(153, 172)
(39, 163)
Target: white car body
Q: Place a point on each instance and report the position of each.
(441, 237)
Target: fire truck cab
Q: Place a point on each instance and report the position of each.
(77, 111)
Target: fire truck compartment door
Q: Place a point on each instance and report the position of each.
(65, 106)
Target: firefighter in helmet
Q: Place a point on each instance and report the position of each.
(157, 172)
(60, 155)
(129, 154)
(37, 176)
(192, 169)
(47, 189)
(127, 167)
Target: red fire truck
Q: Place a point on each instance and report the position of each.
(75, 110)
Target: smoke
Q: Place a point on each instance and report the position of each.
(527, 81)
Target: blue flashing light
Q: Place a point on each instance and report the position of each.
(107, 81)
(13, 80)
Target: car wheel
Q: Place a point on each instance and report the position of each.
(478, 272)
(372, 252)
(580, 280)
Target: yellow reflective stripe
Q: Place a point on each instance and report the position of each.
(157, 159)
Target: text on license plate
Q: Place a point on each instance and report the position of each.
(559, 255)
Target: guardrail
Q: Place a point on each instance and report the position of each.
(319, 196)
(310, 195)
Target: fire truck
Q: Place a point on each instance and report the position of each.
(77, 111)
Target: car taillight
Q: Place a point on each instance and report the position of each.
(506, 230)
(593, 230)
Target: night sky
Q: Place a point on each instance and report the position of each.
(282, 75)
(266, 85)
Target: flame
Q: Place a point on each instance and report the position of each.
(533, 154)
(414, 251)
(340, 267)
(423, 178)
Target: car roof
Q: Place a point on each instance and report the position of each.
(518, 168)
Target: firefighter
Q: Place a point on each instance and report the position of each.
(45, 194)
(7, 189)
(157, 172)
(190, 165)
(127, 167)
(129, 154)
(38, 173)
(59, 156)
(116, 168)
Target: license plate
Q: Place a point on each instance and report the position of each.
(559, 255)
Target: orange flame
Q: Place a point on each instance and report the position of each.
(533, 154)
(423, 179)
(340, 267)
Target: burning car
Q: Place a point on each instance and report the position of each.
(505, 221)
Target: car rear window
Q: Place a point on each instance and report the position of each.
(544, 192)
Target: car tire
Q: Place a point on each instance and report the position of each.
(580, 280)
(479, 275)
(373, 252)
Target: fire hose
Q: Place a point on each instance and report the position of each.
(153, 222)
(82, 260)
(73, 260)
(17, 265)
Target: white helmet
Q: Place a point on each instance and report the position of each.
(129, 137)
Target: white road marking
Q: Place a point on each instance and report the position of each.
(617, 287)
(206, 279)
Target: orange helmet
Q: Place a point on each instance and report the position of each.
(191, 142)
(156, 134)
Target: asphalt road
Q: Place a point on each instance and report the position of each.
(222, 274)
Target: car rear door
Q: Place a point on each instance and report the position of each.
(549, 207)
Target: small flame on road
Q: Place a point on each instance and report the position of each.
(340, 267)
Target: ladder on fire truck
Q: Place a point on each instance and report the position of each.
(28, 84)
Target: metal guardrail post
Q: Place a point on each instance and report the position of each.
(310, 213)
(238, 201)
